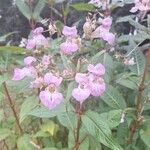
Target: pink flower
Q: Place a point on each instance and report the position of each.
(98, 69)
(81, 78)
(19, 74)
(70, 31)
(41, 40)
(50, 99)
(97, 88)
(30, 44)
(142, 5)
(107, 22)
(109, 37)
(38, 30)
(90, 84)
(29, 60)
(49, 78)
(37, 39)
(81, 94)
(68, 47)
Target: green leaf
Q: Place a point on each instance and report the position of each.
(28, 105)
(49, 148)
(24, 8)
(133, 51)
(43, 112)
(99, 129)
(13, 49)
(83, 137)
(23, 143)
(83, 7)
(40, 134)
(145, 133)
(113, 98)
(1, 114)
(68, 119)
(4, 133)
(3, 38)
(112, 117)
(128, 80)
(3, 78)
(50, 127)
(71, 86)
(38, 9)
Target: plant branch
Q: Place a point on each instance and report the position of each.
(77, 137)
(138, 119)
(12, 105)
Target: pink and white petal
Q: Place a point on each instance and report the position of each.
(81, 78)
(70, 31)
(31, 43)
(97, 89)
(57, 98)
(49, 78)
(81, 95)
(68, 47)
(38, 30)
(29, 60)
(98, 69)
(46, 98)
(18, 74)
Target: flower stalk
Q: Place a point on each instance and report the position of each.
(134, 126)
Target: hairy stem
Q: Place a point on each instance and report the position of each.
(12, 107)
(11, 104)
(138, 119)
(77, 137)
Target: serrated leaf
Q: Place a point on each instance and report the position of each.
(128, 80)
(28, 105)
(43, 112)
(113, 98)
(68, 120)
(112, 117)
(99, 129)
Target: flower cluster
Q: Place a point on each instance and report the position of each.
(70, 45)
(37, 39)
(103, 31)
(90, 83)
(47, 83)
(50, 97)
(142, 5)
